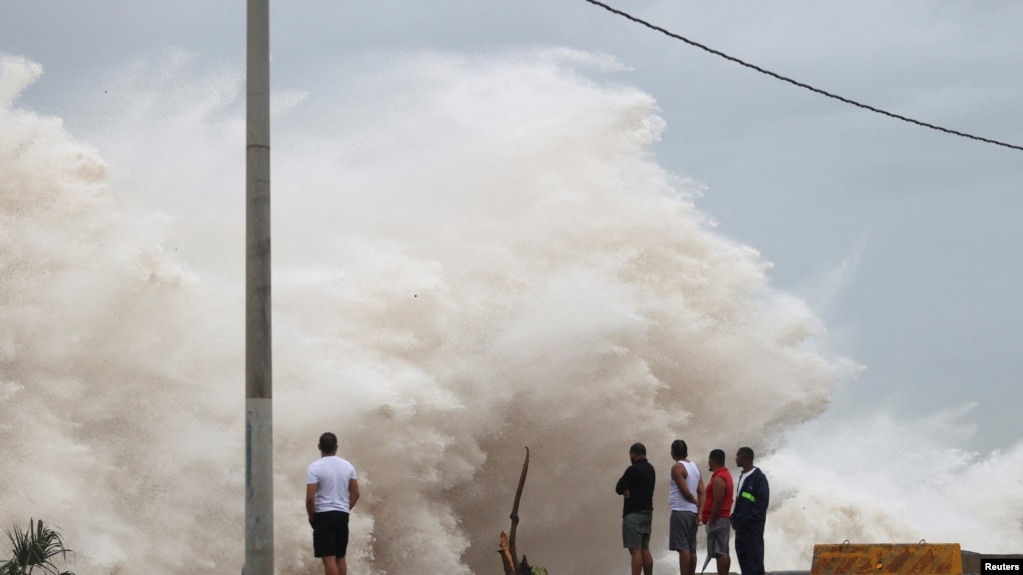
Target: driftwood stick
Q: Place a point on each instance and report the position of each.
(506, 557)
(509, 556)
(515, 507)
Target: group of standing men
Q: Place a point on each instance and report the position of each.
(332, 490)
(718, 504)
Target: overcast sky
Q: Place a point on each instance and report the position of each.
(905, 240)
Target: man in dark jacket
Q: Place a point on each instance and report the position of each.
(752, 496)
(637, 486)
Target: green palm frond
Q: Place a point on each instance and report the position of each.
(35, 548)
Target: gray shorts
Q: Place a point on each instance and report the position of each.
(717, 537)
(636, 530)
(682, 531)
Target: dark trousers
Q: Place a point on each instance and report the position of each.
(749, 550)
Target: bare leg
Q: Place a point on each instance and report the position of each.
(342, 566)
(636, 556)
(724, 564)
(330, 565)
(683, 562)
(648, 563)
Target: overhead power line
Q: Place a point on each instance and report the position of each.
(797, 83)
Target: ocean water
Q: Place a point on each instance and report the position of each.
(472, 255)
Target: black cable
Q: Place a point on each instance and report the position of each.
(796, 83)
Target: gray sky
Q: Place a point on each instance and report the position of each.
(903, 239)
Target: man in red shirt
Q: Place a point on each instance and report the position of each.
(716, 510)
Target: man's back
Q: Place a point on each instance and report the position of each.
(725, 477)
(639, 480)
(331, 474)
(676, 500)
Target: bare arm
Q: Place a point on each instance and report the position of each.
(310, 497)
(353, 493)
(717, 488)
(701, 497)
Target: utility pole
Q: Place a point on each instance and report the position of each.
(259, 493)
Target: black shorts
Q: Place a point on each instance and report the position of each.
(330, 534)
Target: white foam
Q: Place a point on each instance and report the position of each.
(471, 255)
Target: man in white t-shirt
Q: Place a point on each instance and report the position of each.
(332, 489)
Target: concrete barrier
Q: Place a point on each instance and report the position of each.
(887, 559)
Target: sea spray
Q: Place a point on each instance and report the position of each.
(482, 258)
(879, 478)
(118, 417)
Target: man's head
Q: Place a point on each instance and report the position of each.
(637, 452)
(744, 458)
(716, 460)
(328, 444)
(679, 449)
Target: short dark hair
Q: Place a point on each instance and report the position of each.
(328, 442)
(680, 449)
(638, 449)
(717, 456)
(748, 452)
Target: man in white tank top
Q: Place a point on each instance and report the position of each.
(685, 497)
